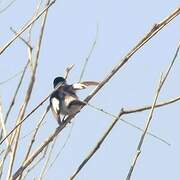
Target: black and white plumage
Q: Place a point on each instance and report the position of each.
(64, 100)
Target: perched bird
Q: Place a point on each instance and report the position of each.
(64, 100)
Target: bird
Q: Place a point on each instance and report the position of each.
(64, 100)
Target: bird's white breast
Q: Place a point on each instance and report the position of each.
(55, 104)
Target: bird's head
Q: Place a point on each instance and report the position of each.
(58, 81)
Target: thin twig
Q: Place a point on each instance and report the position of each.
(67, 71)
(11, 78)
(8, 6)
(126, 122)
(29, 36)
(31, 168)
(60, 151)
(23, 40)
(89, 55)
(48, 159)
(30, 132)
(35, 133)
(2, 123)
(16, 92)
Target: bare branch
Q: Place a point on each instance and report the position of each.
(8, 6)
(63, 146)
(126, 122)
(90, 53)
(67, 71)
(11, 78)
(48, 159)
(23, 40)
(39, 160)
(2, 123)
(17, 89)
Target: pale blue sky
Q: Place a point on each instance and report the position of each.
(70, 32)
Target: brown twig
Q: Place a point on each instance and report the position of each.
(47, 160)
(60, 151)
(67, 71)
(126, 122)
(40, 159)
(11, 78)
(9, 5)
(89, 55)
(22, 39)
(145, 39)
(2, 123)
(16, 92)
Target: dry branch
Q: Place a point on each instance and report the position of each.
(89, 55)
(23, 40)
(11, 78)
(2, 123)
(7, 7)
